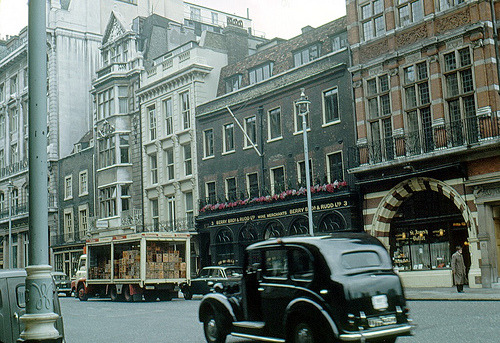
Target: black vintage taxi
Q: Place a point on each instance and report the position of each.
(335, 288)
(210, 276)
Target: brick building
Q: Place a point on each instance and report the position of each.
(253, 186)
(427, 155)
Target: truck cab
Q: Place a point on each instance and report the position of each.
(13, 305)
(81, 274)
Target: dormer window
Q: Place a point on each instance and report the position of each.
(339, 41)
(262, 72)
(233, 83)
(306, 54)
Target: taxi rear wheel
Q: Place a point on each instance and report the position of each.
(304, 333)
(213, 329)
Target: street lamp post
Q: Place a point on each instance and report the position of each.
(303, 108)
(10, 186)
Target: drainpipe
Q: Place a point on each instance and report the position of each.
(40, 318)
(495, 39)
(262, 164)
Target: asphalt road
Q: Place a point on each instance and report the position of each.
(103, 321)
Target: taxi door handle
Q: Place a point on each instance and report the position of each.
(260, 289)
(16, 316)
(210, 283)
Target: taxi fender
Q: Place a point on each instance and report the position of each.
(305, 305)
(217, 302)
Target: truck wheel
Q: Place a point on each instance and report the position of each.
(213, 329)
(126, 293)
(113, 293)
(81, 293)
(188, 295)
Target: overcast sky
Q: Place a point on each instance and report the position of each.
(275, 18)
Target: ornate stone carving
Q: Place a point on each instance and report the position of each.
(394, 72)
(105, 129)
(481, 192)
(453, 21)
(375, 50)
(357, 84)
(412, 36)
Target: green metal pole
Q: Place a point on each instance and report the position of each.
(40, 318)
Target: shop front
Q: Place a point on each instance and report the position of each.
(224, 234)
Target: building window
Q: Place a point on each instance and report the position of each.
(14, 154)
(188, 200)
(171, 212)
(372, 19)
(228, 137)
(2, 92)
(274, 126)
(155, 215)
(68, 224)
(153, 167)
(299, 119)
(2, 125)
(233, 83)
(301, 173)
(253, 185)
(188, 166)
(185, 108)
(231, 189)
(83, 188)
(260, 73)
(68, 187)
(83, 219)
(105, 103)
(446, 4)
(167, 106)
(152, 122)
(13, 121)
(306, 54)
(124, 148)
(335, 167)
(169, 160)
(13, 85)
(339, 41)
(210, 192)
(195, 14)
(125, 197)
(410, 12)
(330, 106)
(460, 97)
(107, 201)
(106, 151)
(215, 18)
(208, 142)
(2, 158)
(277, 180)
(123, 99)
(417, 108)
(251, 131)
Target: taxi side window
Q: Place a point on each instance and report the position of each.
(216, 273)
(205, 273)
(276, 263)
(301, 265)
(21, 296)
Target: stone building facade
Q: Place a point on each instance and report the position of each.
(251, 167)
(425, 83)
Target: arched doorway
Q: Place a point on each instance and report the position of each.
(300, 226)
(224, 246)
(425, 230)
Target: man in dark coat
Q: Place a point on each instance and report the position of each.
(458, 269)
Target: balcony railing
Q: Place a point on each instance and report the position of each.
(17, 210)
(67, 238)
(177, 225)
(462, 133)
(117, 67)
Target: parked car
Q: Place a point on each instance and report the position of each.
(13, 306)
(63, 283)
(208, 277)
(339, 287)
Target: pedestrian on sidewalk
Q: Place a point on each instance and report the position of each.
(458, 269)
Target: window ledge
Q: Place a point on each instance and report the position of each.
(208, 158)
(83, 194)
(300, 132)
(331, 123)
(228, 152)
(274, 139)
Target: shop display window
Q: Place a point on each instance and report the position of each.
(420, 248)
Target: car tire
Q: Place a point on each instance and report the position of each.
(113, 293)
(304, 332)
(213, 329)
(186, 292)
(81, 293)
(126, 293)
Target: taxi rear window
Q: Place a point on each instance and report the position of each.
(360, 259)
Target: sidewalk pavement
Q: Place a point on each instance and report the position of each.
(450, 293)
